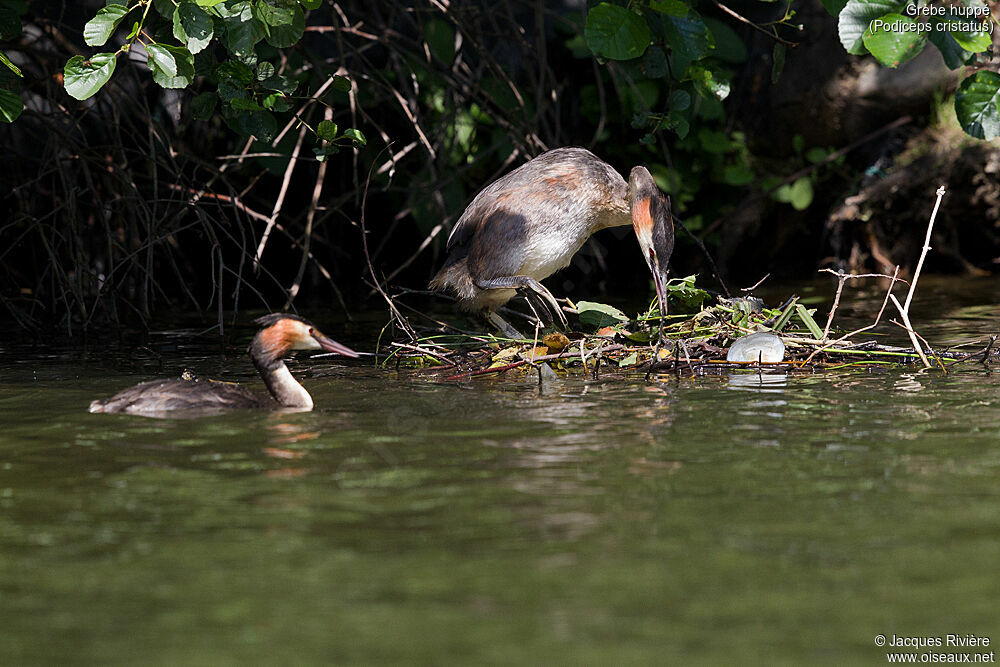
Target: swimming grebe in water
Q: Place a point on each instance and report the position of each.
(527, 225)
(279, 335)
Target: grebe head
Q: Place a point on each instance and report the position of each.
(654, 228)
(282, 333)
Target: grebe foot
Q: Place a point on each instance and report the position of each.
(527, 282)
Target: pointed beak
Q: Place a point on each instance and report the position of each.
(331, 345)
(654, 229)
(659, 281)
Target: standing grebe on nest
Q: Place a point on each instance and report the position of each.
(280, 335)
(527, 225)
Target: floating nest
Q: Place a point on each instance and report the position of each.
(693, 344)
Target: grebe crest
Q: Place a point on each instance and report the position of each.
(280, 334)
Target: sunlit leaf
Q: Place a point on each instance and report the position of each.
(855, 18)
(11, 66)
(100, 28)
(977, 105)
(599, 315)
(171, 66)
(799, 194)
(327, 130)
(193, 27)
(356, 135)
(894, 39)
(11, 105)
(84, 77)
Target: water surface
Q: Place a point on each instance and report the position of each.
(408, 520)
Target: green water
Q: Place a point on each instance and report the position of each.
(408, 520)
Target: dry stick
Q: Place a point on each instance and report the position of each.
(742, 19)
(844, 277)
(888, 293)
(281, 198)
(422, 351)
(310, 216)
(403, 324)
(756, 285)
(909, 330)
(904, 310)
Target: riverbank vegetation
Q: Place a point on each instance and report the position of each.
(270, 155)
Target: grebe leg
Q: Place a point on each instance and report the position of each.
(526, 282)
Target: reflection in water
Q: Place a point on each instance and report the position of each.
(908, 382)
(765, 382)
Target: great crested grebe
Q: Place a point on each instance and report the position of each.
(527, 225)
(280, 333)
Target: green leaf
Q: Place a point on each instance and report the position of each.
(713, 141)
(807, 319)
(729, 47)
(265, 70)
(669, 7)
(341, 83)
(777, 61)
(274, 12)
(242, 30)
(203, 105)
(599, 315)
(327, 130)
(630, 360)
(10, 18)
(689, 39)
(954, 56)
(230, 89)
(855, 18)
(160, 57)
(234, 69)
(171, 66)
(281, 84)
(11, 106)
(283, 24)
(680, 100)
(977, 105)
(100, 28)
(244, 104)
(260, 124)
(654, 63)
(311, 4)
(737, 175)
(209, 3)
(615, 32)
(193, 27)
(82, 78)
(276, 102)
(356, 136)
(816, 154)
(799, 194)
(13, 68)
(973, 41)
(894, 39)
(440, 38)
(708, 84)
